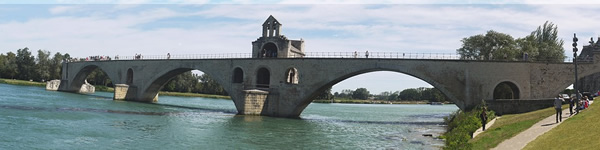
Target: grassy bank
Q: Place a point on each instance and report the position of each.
(354, 101)
(579, 132)
(461, 126)
(21, 82)
(508, 126)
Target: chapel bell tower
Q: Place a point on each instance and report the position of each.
(273, 44)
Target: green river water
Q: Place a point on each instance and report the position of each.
(33, 118)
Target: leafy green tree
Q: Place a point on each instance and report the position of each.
(56, 66)
(394, 96)
(410, 94)
(360, 93)
(491, 46)
(543, 44)
(10, 69)
(2, 65)
(42, 67)
(25, 64)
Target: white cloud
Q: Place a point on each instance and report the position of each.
(62, 9)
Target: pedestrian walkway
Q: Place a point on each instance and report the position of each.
(487, 126)
(520, 140)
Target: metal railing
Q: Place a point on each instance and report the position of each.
(348, 55)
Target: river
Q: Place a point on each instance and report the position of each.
(33, 118)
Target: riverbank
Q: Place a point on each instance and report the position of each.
(509, 126)
(164, 93)
(22, 82)
(354, 101)
(578, 132)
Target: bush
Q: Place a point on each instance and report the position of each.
(461, 126)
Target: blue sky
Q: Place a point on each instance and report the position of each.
(118, 27)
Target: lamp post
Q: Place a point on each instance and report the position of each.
(575, 62)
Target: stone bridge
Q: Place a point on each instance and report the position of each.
(283, 87)
(279, 79)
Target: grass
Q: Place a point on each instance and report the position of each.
(355, 101)
(579, 132)
(22, 82)
(509, 126)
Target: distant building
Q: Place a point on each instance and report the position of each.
(272, 44)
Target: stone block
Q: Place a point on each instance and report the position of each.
(254, 101)
(52, 85)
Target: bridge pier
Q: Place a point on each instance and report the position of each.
(127, 92)
(254, 102)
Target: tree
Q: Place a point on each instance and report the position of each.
(394, 96)
(25, 64)
(544, 44)
(56, 66)
(42, 67)
(360, 93)
(10, 66)
(491, 46)
(410, 94)
(325, 94)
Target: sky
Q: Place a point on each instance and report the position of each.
(155, 27)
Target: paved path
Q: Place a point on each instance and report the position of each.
(520, 140)
(487, 126)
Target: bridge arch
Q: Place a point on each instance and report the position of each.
(80, 78)
(343, 77)
(161, 79)
(507, 90)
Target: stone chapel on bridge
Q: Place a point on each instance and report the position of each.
(273, 44)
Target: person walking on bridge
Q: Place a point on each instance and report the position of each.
(558, 106)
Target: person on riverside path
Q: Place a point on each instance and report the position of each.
(558, 106)
(483, 117)
(571, 103)
(367, 54)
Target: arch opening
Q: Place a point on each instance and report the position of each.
(291, 76)
(93, 75)
(263, 78)
(269, 50)
(381, 86)
(506, 90)
(238, 75)
(129, 80)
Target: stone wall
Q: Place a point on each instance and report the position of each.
(515, 106)
(254, 101)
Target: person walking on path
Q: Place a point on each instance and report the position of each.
(571, 103)
(557, 105)
(367, 54)
(483, 117)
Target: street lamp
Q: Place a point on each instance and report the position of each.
(575, 62)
